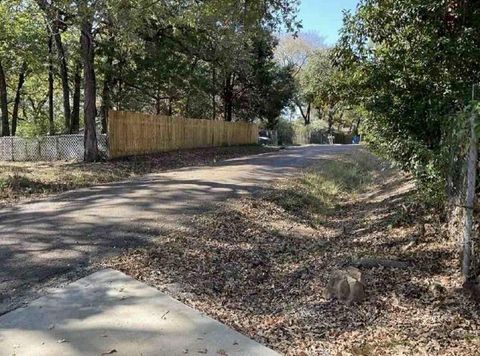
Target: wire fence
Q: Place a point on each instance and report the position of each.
(46, 148)
(321, 137)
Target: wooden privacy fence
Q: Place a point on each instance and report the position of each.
(135, 134)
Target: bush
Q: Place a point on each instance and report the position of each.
(285, 131)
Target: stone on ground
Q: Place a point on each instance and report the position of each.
(347, 285)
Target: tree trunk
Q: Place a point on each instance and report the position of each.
(90, 138)
(170, 107)
(51, 122)
(214, 93)
(4, 103)
(75, 118)
(158, 103)
(309, 111)
(305, 115)
(63, 73)
(189, 91)
(330, 120)
(106, 95)
(228, 98)
(470, 199)
(109, 77)
(357, 126)
(119, 94)
(18, 95)
(53, 16)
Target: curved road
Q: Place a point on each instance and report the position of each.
(58, 236)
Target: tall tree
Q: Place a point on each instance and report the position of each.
(90, 96)
(319, 81)
(51, 121)
(55, 24)
(77, 80)
(16, 101)
(4, 102)
(295, 52)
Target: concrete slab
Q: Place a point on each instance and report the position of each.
(111, 313)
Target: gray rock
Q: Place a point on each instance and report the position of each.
(347, 285)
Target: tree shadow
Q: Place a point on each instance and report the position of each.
(45, 238)
(108, 311)
(238, 265)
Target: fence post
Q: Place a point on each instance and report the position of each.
(11, 148)
(472, 160)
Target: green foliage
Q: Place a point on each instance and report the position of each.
(413, 74)
(318, 79)
(271, 87)
(22, 50)
(162, 57)
(323, 85)
(202, 59)
(286, 132)
(305, 133)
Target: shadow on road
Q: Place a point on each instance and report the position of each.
(48, 238)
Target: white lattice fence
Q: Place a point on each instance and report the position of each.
(46, 148)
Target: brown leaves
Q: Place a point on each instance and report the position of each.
(263, 271)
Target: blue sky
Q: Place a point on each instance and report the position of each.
(324, 16)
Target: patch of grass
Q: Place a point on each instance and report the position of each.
(18, 185)
(318, 190)
(471, 337)
(3, 183)
(363, 350)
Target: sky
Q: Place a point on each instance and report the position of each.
(324, 17)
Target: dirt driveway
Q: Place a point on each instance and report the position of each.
(46, 242)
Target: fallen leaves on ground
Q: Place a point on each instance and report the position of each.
(262, 270)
